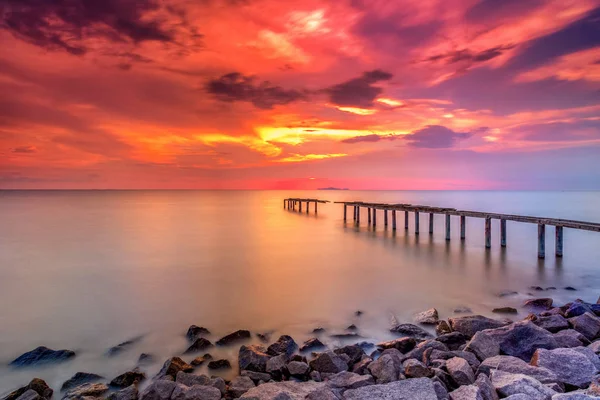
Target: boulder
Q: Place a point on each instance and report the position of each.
(276, 366)
(219, 364)
(404, 345)
(256, 376)
(387, 367)
(587, 324)
(574, 396)
(253, 358)
(442, 328)
(469, 392)
(121, 347)
(483, 346)
(579, 307)
(30, 395)
(571, 367)
(354, 352)
(322, 394)
(507, 384)
(298, 368)
(201, 360)
(194, 332)
(171, 367)
(196, 392)
(471, 324)
(422, 347)
(538, 304)
(219, 383)
(453, 340)
(42, 355)
(486, 388)
(128, 378)
(409, 389)
(505, 310)
(86, 390)
(440, 390)
(416, 369)
(37, 385)
(515, 365)
(310, 344)
(328, 362)
(349, 380)
(189, 379)
(589, 353)
(521, 339)
(240, 385)
(410, 330)
(362, 367)
(552, 323)
(284, 391)
(284, 345)
(234, 337)
(199, 344)
(160, 389)
(79, 379)
(570, 338)
(129, 393)
(428, 317)
(460, 370)
(145, 358)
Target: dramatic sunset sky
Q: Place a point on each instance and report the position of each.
(274, 94)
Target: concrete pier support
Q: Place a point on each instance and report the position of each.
(416, 222)
(369, 215)
(358, 215)
(385, 217)
(394, 220)
(345, 212)
(559, 241)
(541, 241)
(300, 206)
(488, 232)
(374, 217)
(431, 223)
(447, 226)
(406, 220)
(503, 232)
(463, 227)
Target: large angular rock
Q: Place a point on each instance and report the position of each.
(37, 385)
(570, 338)
(310, 344)
(129, 393)
(240, 385)
(416, 369)
(194, 332)
(160, 389)
(30, 395)
(483, 346)
(587, 324)
(409, 389)
(570, 366)
(276, 366)
(387, 367)
(486, 388)
(298, 368)
(469, 392)
(460, 370)
(354, 352)
(79, 379)
(128, 378)
(328, 362)
(428, 317)
(515, 365)
(538, 304)
(521, 339)
(42, 355)
(284, 390)
(507, 384)
(552, 323)
(196, 392)
(471, 324)
(403, 345)
(574, 396)
(410, 330)
(171, 367)
(453, 340)
(253, 358)
(284, 345)
(200, 344)
(188, 379)
(234, 337)
(349, 380)
(86, 390)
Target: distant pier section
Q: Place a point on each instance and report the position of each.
(389, 212)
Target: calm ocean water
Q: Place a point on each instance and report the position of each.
(86, 270)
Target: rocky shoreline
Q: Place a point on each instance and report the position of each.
(552, 354)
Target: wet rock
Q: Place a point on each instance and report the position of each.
(253, 358)
(219, 364)
(276, 366)
(197, 392)
(284, 345)
(515, 365)
(201, 360)
(460, 370)
(471, 324)
(409, 389)
(483, 346)
(328, 362)
(189, 379)
(443, 328)
(318, 330)
(538, 304)
(537, 288)
(199, 344)
(463, 310)
(234, 337)
(347, 335)
(570, 366)
(404, 345)
(128, 378)
(79, 379)
(362, 366)
(145, 358)
(551, 323)
(42, 355)
(428, 317)
(37, 385)
(579, 307)
(264, 337)
(194, 332)
(354, 352)
(310, 344)
(352, 327)
(507, 384)
(239, 386)
(521, 339)
(570, 338)
(358, 313)
(595, 346)
(171, 367)
(129, 393)
(86, 390)
(587, 324)
(160, 389)
(410, 330)
(505, 310)
(219, 383)
(30, 395)
(440, 391)
(298, 368)
(422, 347)
(507, 293)
(284, 391)
(121, 347)
(416, 369)
(469, 392)
(387, 367)
(486, 388)
(453, 340)
(349, 380)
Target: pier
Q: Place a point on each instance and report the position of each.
(417, 210)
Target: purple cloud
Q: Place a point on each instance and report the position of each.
(358, 92)
(435, 137)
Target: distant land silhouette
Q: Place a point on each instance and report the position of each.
(332, 188)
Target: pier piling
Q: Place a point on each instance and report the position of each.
(447, 226)
(406, 220)
(394, 220)
(431, 223)
(463, 227)
(503, 232)
(374, 217)
(488, 232)
(385, 218)
(416, 222)
(541, 241)
(369, 216)
(559, 241)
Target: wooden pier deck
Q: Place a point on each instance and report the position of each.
(372, 209)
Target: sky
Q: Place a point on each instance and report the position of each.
(271, 94)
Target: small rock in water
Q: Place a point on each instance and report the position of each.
(234, 337)
(313, 343)
(471, 324)
(358, 313)
(442, 328)
(219, 364)
(171, 367)
(538, 288)
(199, 345)
(550, 288)
(145, 358)
(428, 317)
(411, 331)
(129, 393)
(284, 345)
(348, 335)
(128, 378)
(37, 385)
(264, 337)
(507, 293)
(570, 288)
(195, 331)
(79, 379)
(121, 347)
(86, 390)
(463, 310)
(505, 310)
(403, 345)
(352, 328)
(318, 330)
(201, 360)
(42, 355)
(539, 304)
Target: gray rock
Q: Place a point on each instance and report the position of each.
(404, 345)
(234, 337)
(589, 353)
(37, 385)
(428, 317)
(310, 344)
(196, 392)
(471, 324)
(553, 323)
(276, 366)
(409, 389)
(410, 330)
(470, 357)
(86, 390)
(194, 332)
(30, 395)
(515, 365)
(422, 347)
(328, 362)
(362, 366)
(219, 364)
(128, 378)
(538, 304)
(521, 339)
(507, 384)
(587, 324)
(519, 396)
(315, 376)
(595, 346)
(284, 391)
(121, 347)
(298, 368)
(574, 396)
(469, 392)
(171, 367)
(256, 376)
(416, 369)
(284, 345)
(42, 355)
(129, 393)
(460, 370)
(160, 389)
(486, 388)
(219, 383)
(79, 379)
(199, 344)
(571, 367)
(240, 385)
(187, 379)
(570, 338)
(349, 380)
(322, 394)
(453, 340)
(354, 352)
(440, 391)
(387, 367)
(253, 358)
(483, 346)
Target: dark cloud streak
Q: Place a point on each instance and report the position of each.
(358, 92)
